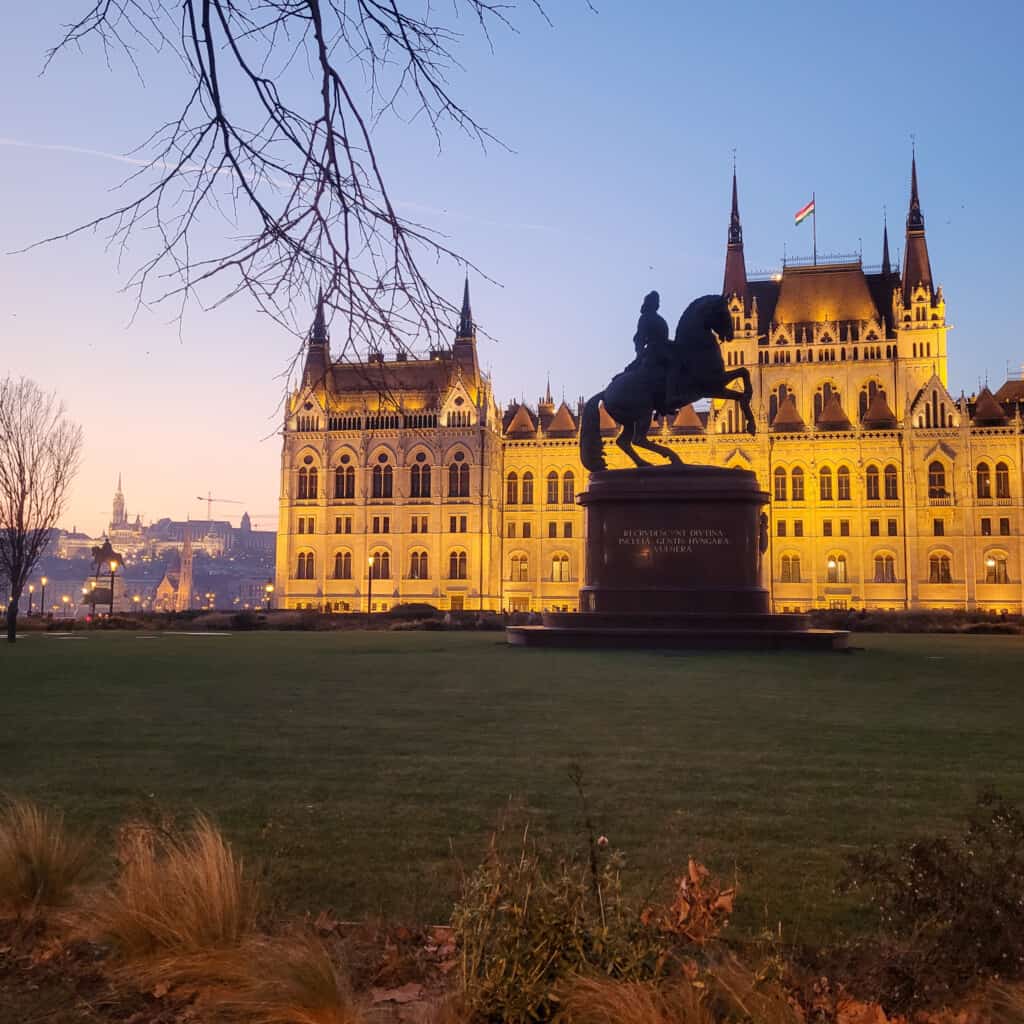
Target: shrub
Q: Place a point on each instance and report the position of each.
(40, 860)
(176, 894)
(950, 910)
(412, 610)
(247, 619)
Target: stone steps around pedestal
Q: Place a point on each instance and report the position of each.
(756, 621)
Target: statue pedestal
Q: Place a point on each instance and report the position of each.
(674, 560)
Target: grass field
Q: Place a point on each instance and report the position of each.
(358, 767)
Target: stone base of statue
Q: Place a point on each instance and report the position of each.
(673, 560)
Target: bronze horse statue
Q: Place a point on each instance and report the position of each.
(665, 376)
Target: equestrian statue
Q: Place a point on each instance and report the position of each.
(665, 376)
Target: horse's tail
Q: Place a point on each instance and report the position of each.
(591, 448)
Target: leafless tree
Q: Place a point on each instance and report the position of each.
(275, 135)
(39, 453)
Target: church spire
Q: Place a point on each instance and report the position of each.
(735, 282)
(886, 265)
(917, 269)
(318, 334)
(467, 329)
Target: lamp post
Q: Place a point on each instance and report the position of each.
(31, 591)
(369, 583)
(136, 600)
(42, 596)
(269, 591)
(113, 569)
(65, 600)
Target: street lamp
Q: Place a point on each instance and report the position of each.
(369, 583)
(269, 591)
(31, 591)
(113, 569)
(42, 596)
(65, 600)
(136, 600)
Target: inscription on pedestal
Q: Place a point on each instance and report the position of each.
(677, 541)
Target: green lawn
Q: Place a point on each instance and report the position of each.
(352, 764)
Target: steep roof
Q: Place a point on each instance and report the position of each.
(788, 418)
(832, 291)
(832, 416)
(608, 425)
(878, 415)
(562, 424)
(687, 421)
(987, 411)
(423, 375)
(522, 423)
(1011, 391)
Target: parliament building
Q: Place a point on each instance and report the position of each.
(403, 480)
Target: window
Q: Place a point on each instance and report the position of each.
(938, 528)
(844, 527)
(790, 569)
(780, 484)
(560, 569)
(380, 569)
(891, 527)
(825, 484)
(843, 483)
(418, 568)
(836, 566)
(458, 477)
(512, 489)
(520, 569)
(798, 527)
(414, 526)
(345, 481)
(936, 480)
(568, 488)
(381, 524)
(463, 523)
(527, 488)
(343, 524)
(527, 530)
(780, 528)
(995, 569)
(383, 481)
(343, 565)
(874, 528)
(983, 477)
(453, 524)
(871, 484)
(885, 569)
(566, 529)
(986, 526)
(305, 568)
(552, 488)
(939, 570)
(552, 529)
(302, 524)
(892, 491)
(307, 483)
(797, 480)
(510, 530)
(1004, 527)
(826, 528)
(419, 479)
(457, 565)
(1002, 480)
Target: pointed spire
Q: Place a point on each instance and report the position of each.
(886, 265)
(548, 400)
(915, 219)
(118, 483)
(318, 335)
(735, 282)
(917, 268)
(467, 329)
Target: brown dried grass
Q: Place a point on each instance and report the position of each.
(175, 894)
(604, 1001)
(40, 860)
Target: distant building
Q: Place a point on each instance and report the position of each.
(886, 491)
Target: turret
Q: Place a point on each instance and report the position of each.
(464, 349)
(318, 349)
(917, 269)
(735, 282)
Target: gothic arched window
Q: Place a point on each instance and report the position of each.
(345, 482)
(560, 568)
(527, 488)
(1002, 480)
(520, 569)
(825, 484)
(995, 569)
(836, 566)
(797, 480)
(885, 569)
(419, 478)
(780, 483)
(458, 477)
(871, 484)
(892, 487)
(343, 565)
(984, 480)
(843, 483)
(552, 488)
(937, 480)
(305, 567)
(380, 568)
(512, 489)
(418, 566)
(457, 565)
(939, 570)
(568, 488)
(790, 569)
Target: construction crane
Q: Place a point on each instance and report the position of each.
(210, 499)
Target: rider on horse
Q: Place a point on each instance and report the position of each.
(656, 356)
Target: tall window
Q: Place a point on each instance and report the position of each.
(560, 569)
(345, 482)
(937, 480)
(790, 569)
(568, 488)
(381, 567)
(836, 566)
(343, 565)
(843, 483)
(527, 488)
(995, 569)
(892, 488)
(797, 480)
(1002, 480)
(458, 477)
(305, 567)
(520, 569)
(780, 484)
(984, 480)
(552, 488)
(307, 483)
(383, 481)
(871, 484)
(419, 478)
(457, 565)
(825, 484)
(939, 569)
(885, 569)
(512, 489)
(418, 566)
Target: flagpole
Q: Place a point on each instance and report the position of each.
(814, 225)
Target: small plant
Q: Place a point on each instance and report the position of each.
(176, 894)
(40, 860)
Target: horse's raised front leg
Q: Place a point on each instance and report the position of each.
(625, 441)
(742, 400)
(742, 374)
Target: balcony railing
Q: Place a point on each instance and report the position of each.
(948, 500)
(560, 579)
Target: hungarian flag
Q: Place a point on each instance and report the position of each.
(801, 215)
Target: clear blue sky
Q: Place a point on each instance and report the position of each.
(621, 125)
